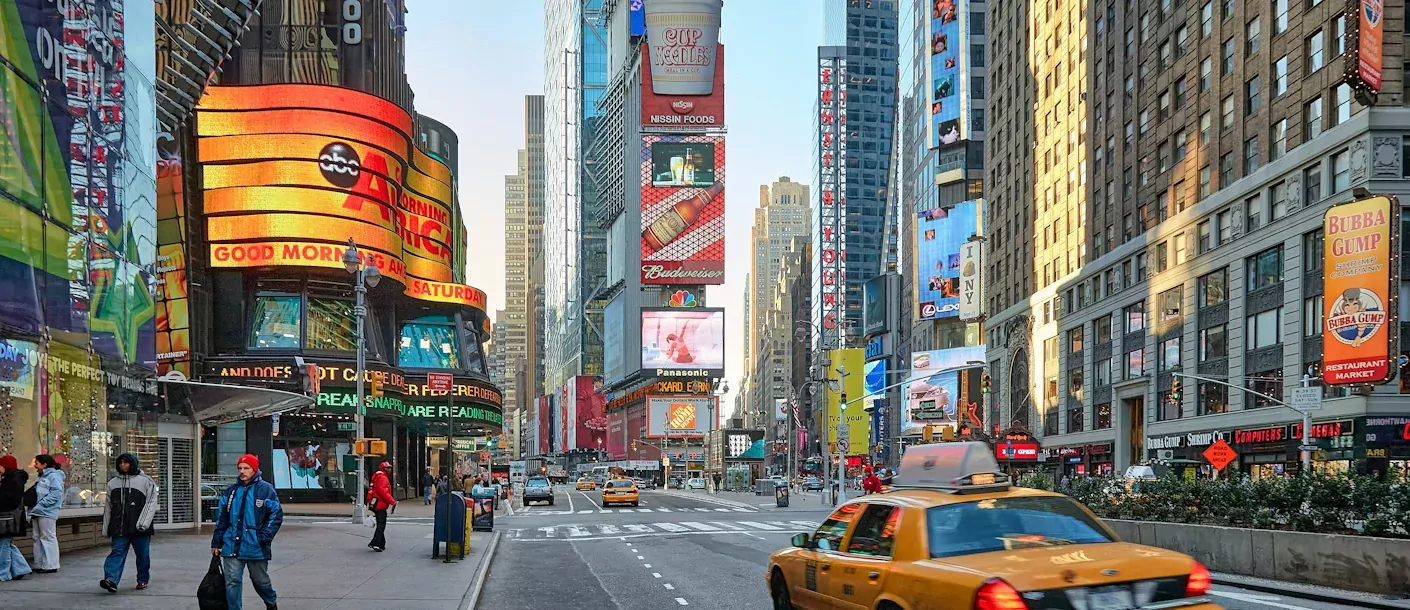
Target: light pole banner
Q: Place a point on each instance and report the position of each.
(1359, 277)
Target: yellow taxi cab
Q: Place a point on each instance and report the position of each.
(952, 533)
(586, 484)
(620, 491)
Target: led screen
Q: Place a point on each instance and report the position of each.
(683, 338)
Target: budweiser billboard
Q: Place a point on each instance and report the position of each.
(682, 209)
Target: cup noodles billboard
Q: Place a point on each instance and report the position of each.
(682, 209)
(660, 110)
(682, 37)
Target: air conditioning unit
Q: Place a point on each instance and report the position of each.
(1166, 454)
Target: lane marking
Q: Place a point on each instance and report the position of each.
(576, 531)
(610, 529)
(639, 528)
(1262, 600)
(700, 526)
(681, 601)
(671, 527)
(640, 557)
(655, 574)
(551, 531)
(728, 526)
(584, 512)
(669, 586)
(758, 525)
(664, 510)
(646, 565)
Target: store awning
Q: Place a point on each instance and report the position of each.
(217, 403)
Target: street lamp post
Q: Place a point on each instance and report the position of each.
(366, 276)
(844, 336)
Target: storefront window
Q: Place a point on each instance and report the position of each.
(19, 402)
(331, 325)
(429, 343)
(1102, 418)
(309, 463)
(72, 425)
(276, 323)
(1213, 398)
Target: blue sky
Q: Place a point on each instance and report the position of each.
(472, 61)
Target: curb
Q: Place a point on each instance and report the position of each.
(483, 573)
(1355, 599)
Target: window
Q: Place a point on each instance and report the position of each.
(1203, 182)
(1214, 288)
(1145, 121)
(1206, 19)
(1280, 76)
(875, 534)
(1339, 34)
(1102, 327)
(1280, 16)
(1206, 74)
(1250, 155)
(1213, 399)
(1170, 354)
(1265, 268)
(277, 323)
(1262, 330)
(1165, 54)
(1227, 52)
(1312, 118)
(1145, 27)
(1341, 97)
(1103, 373)
(1182, 146)
(967, 528)
(1252, 103)
(1205, 121)
(1226, 170)
(1170, 303)
(331, 325)
(1130, 134)
(1280, 201)
(1205, 236)
(1313, 245)
(1312, 316)
(1101, 420)
(1226, 226)
(428, 343)
(1164, 105)
(1251, 33)
(1136, 317)
(1341, 171)
(1227, 10)
(1142, 264)
(1163, 154)
(1268, 383)
(1182, 39)
(1213, 344)
(1227, 112)
(1135, 363)
(1314, 52)
(1074, 340)
(1130, 42)
(1278, 140)
(1074, 384)
(1312, 181)
(1050, 348)
(828, 536)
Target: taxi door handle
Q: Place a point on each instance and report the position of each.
(825, 567)
(873, 575)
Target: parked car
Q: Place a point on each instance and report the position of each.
(813, 484)
(695, 484)
(644, 483)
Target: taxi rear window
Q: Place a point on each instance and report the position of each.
(1009, 523)
(619, 484)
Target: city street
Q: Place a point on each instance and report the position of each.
(679, 548)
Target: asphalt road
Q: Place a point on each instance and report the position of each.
(675, 549)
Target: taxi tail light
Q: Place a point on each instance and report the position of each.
(1199, 581)
(998, 595)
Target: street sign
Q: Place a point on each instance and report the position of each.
(1220, 454)
(440, 382)
(930, 415)
(1306, 399)
(347, 426)
(1308, 448)
(843, 430)
(844, 446)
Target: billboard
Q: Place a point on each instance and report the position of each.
(1370, 34)
(637, 18)
(545, 425)
(680, 341)
(590, 419)
(683, 209)
(173, 296)
(616, 444)
(679, 416)
(927, 397)
(689, 112)
(940, 234)
(780, 409)
(1360, 278)
(947, 72)
(853, 385)
(874, 305)
(830, 226)
(971, 280)
(682, 37)
(291, 171)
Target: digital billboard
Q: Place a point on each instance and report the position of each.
(680, 111)
(291, 171)
(947, 71)
(683, 219)
(173, 299)
(971, 280)
(683, 340)
(1360, 278)
(928, 397)
(637, 17)
(852, 383)
(874, 299)
(679, 416)
(940, 235)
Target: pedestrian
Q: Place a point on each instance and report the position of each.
(127, 521)
(48, 492)
(428, 485)
(246, 522)
(12, 480)
(381, 500)
(871, 483)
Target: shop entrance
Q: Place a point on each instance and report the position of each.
(1136, 414)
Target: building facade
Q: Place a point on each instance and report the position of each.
(783, 213)
(1166, 221)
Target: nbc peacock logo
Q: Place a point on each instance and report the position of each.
(682, 298)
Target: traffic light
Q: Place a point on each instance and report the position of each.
(376, 388)
(1175, 391)
(927, 435)
(633, 445)
(947, 434)
(984, 383)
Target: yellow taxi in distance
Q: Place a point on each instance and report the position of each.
(952, 533)
(586, 484)
(620, 491)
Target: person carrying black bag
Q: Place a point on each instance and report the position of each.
(12, 519)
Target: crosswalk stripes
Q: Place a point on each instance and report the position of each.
(601, 531)
(588, 511)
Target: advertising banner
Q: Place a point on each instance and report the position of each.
(928, 398)
(1369, 38)
(616, 443)
(780, 409)
(173, 302)
(679, 416)
(853, 385)
(1360, 276)
(545, 425)
(875, 305)
(971, 280)
(683, 209)
(637, 18)
(682, 36)
(590, 419)
(671, 112)
(947, 72)
(291, 171)
(830, 226)
(683, 342)
(940, 234)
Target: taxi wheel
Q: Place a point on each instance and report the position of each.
(779, 589)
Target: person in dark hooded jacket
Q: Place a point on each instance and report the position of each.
(12, 480)
(127, 520)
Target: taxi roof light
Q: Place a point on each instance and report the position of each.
(954, 467)
(996, 594)
(1199, 582)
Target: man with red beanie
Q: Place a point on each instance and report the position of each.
(245, 526)
(381, 500)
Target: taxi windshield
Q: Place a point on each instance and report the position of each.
(619, 484)
(1009, 523)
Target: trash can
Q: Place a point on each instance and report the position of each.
(482, 507)
(450, 526)
(781, 495)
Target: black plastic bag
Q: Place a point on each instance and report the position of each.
(211, 593)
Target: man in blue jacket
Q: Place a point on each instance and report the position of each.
(245, 526)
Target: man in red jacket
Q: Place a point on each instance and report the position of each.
(380, 499)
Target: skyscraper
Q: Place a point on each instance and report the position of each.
(783, 213)
(533, 295)
(512, 348)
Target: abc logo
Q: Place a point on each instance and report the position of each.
(339, 164)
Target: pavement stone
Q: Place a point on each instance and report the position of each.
(314, 567)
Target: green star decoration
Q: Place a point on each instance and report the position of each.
(121, 307)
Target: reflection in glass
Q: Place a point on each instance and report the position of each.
(331, 325)
(276, 323)
(428, 343)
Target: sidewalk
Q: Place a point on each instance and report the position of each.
(314, 567)
(1326, 595)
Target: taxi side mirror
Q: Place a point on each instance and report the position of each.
(800, 541)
